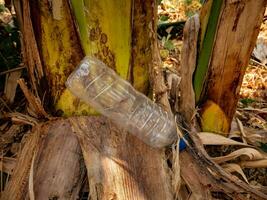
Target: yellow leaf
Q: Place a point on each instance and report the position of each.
(213, 119)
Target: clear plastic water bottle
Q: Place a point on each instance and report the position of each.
(98, 85)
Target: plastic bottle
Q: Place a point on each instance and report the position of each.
(96, 84)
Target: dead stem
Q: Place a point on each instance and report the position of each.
(12, 70)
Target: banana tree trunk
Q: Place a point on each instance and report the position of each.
(228, 36)
(119, 166)
(219, 64)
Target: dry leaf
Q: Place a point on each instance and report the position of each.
(244, 153)
(9, 135)
(31, 185)
(254, 164)
(232, 167)
(263, 110)
(34, 102)
(241, 128)
(215, 139)
(11, 85)
(260, 51)
(252, 136)
(255, 136)
(7, 164)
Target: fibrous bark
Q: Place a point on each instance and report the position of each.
(119, 165)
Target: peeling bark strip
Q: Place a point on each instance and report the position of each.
(16, 188)
(31, 56)
(186, 103)
(156, 78)
(57, 168)
(119, 165)
(57, 9)
(34, 102)
(237, 32)
(141, 39)
(195, 179)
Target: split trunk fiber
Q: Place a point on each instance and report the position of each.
(119, 166)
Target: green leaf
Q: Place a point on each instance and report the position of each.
(9, 47)
(169, 45)
(190, 13)
(206, 50)
(159, 2)
(2, 7)
(188, 2)
(263, 147)
(202, 1)
(247, 101)
(164, 18)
